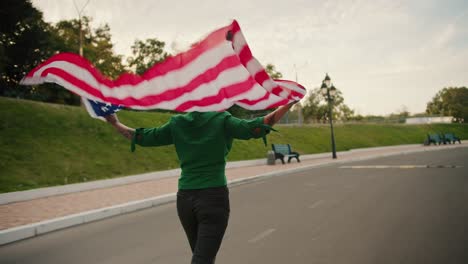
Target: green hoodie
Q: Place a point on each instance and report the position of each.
(202, 142)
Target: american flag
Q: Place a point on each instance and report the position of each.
(214, 74)
(99, 110)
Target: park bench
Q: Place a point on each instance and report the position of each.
(451, 138)
(284, 151)
(435, 138)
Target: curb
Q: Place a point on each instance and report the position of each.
(28, 231)
(12, 197)
(36, 229)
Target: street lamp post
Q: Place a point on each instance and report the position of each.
(329, 91)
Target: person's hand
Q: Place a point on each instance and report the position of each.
(112, 119)
(273, 117)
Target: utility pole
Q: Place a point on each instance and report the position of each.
(80, 11)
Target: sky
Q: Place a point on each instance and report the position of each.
(385, 56)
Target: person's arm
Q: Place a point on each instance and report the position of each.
(124, 130)
(275, 116)
(145, 137)
(255, 128)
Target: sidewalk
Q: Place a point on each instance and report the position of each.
(32, 217)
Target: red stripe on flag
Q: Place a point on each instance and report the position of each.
(245, 55)
(167, 95)
(279, 103)
(170, 64)
(253, 102)
(215, 99)
(261, 76)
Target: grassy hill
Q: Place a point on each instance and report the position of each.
(46, 144)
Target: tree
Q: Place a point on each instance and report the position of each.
(109, 63)
(313, 109)
(400, 116)
(345, 113)
(146, 54)
(33, 41)
(24, 39)
(97, 48)
(451, 101)
(97, 44)
(271, 70)
(316, 107)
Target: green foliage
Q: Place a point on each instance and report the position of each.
(316, 107)
(373, 119)
(452, 101)
(400, 116)
(27, 41)
(312, 108)
(345, 112)
(97, 44)
(271, 70)
(49, 144)
(97, 48)
(24, 44)
(146, 54)
(67, 32)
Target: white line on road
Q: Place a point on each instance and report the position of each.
(402, 167)
(311, 184)
(315, 204)
(262, 235)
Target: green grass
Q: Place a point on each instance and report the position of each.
(47, 145)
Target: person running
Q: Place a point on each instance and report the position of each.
(202, 141)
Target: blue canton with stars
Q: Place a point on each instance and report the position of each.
(103, 109)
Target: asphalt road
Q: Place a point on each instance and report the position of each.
(349, 213)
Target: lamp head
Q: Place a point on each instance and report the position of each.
(327, 81)
(332, 90)
(323, 89)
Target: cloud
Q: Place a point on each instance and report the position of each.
(381, 54)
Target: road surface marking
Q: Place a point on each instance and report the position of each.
(262, 235)
(315, 204)
(402, 167)
(311, 184)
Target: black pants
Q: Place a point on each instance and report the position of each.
(204, 214)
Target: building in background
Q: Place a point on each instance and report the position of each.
(429, 120)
